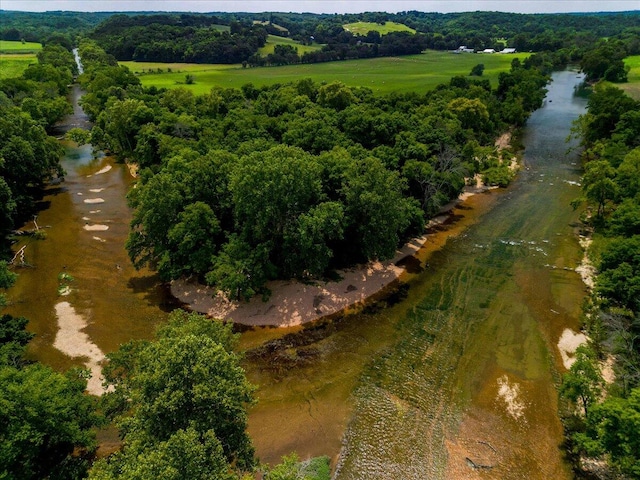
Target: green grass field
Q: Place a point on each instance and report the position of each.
(419, 73)
(633, 86)
(362, 28)
(274, 40)
(12, 66)
(19, 47)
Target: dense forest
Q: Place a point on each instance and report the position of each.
(611, 189)
(240, 186)
(236, 37)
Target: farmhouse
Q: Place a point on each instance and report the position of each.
(508, 50)
(464, 49)
(488, 50)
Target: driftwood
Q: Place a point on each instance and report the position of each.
(488, 445)
(19, 253)
(477, 466)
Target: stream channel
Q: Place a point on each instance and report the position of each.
(451, 376)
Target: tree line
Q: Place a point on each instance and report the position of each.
(178, 38)
(606, 419)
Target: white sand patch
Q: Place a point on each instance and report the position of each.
(292, 302)
(80, 193)
(103, 170)
(99, 239)
(94, 200)
(96, 228)
(96, 190)
(607, 371)
(86, 219)
(94, 211)
(510, 394)
(72, 341)
(568, 344)
(586, 269)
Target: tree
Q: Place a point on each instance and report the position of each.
(598, 185)
(186, 454)
(612, 428)
(187, 384)
(582, 384)
(46, 420)
(13, 339)
(335, 95)
(477, 70)
(377, 214)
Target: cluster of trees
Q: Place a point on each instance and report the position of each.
(178, 38)
(294, 180)
(180, 403)
(606, 61)
(611, 190)
(48, 26)
(346, 47)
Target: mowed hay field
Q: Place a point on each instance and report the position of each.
(419, 73)
(15, 57)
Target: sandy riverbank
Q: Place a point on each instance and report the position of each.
(294, 303)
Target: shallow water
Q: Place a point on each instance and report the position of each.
(464, 367)
(86, 222)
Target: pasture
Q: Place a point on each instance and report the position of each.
(362, 28)
(9, 47)
(419, 73)
(274, 40)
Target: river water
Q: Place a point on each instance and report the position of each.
(459, 366)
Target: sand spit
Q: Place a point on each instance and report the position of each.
(294, 303)
(72, 341)
(103, 170)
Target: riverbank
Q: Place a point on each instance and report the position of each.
(294, 303)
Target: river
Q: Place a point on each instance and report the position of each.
(460, 365)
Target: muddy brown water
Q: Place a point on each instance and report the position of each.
(457, 369)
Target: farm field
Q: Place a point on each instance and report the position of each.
(11, 47)
(362, 28)
(274, 40)
(12, 66)
(15, 57)
(419, 73)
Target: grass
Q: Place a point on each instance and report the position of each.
(9, 47)
(12, 66)
(419, 73)
(633, 86)
(362, 28)
(274, 40)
